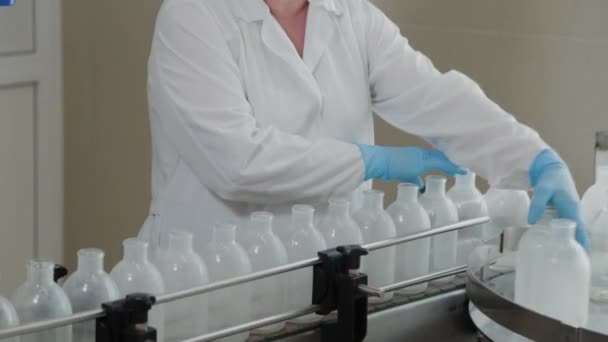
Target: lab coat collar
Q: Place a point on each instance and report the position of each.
(256, 10)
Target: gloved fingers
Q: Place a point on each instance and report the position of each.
(569, 208)
(539, 202)
(435, 160)
(583, 238)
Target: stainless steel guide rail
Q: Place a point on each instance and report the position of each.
(95, 314)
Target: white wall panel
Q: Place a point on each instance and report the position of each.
(17, 28)
(17, 183)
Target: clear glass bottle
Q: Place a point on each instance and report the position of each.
(265, 250)
(305, 243)
(598, 232)
(88, 288)
(442, 211)
(225, 259)
(470, 205)
(413, 258)
(532, 243)
(562, 290)
(338, 227)
(594, 198)
(8, 317)
(136, 274)
(377, 225)
(508, 211)
(40, 298)
(183, 269)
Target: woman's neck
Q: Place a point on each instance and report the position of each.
(286, 8)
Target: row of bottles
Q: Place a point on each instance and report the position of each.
(175, 266)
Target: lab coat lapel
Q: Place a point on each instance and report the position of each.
(277, 41)
(320, 30)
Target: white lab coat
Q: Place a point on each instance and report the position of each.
(240, 122)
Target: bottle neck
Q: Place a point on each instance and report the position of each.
(302, 216)
(180, 241)
(339, 208)
(135, 250)
(224, 233)
(549, 215)
(90, 260)
(407, 192)
(563, 230)
(465, 181)
(373, 200)
(435, 186)
(40, 272)
(261, 222)
(602, 176)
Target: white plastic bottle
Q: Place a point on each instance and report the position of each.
(563, 289)
(40, 298)
(594, 198)
(377, 225)
(8, 317)
(598, 232)
(305, 243)
(442, 211)
(531, 247)
(226, 259)
(88, 288)
(413, 258)
(183, 269)
(470, 205)
(265, 250)
(136, 274)
(508, 211)
(338, 227)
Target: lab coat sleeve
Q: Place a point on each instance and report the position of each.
(450, 111)
(195, 87)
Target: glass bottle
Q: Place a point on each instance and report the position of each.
(265, 250)
(508, 210)
(136, 274)
(470, 205)
(377, 225)
(413, 258)
(562, 289)
(594, 198)
(8, 317)
(442, 211)
(225, 259)
(598, 232)
(531, 244)
(304, 244)
(338, 227)
(182, 269)
(88, 288)
(40, 298)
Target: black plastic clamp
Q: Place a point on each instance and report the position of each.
(336, 287)
(126, 320)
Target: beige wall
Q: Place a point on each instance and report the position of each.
(544, 60)
(106, 129)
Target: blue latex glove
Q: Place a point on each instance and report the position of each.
(405, 164)
(553, 185)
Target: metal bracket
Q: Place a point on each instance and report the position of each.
(336, 284)
(126, 320)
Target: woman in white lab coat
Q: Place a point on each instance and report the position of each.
(262, 104)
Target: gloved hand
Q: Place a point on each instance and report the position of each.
(405, 164)
(553, 185)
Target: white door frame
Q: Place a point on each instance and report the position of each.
(41, 68)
